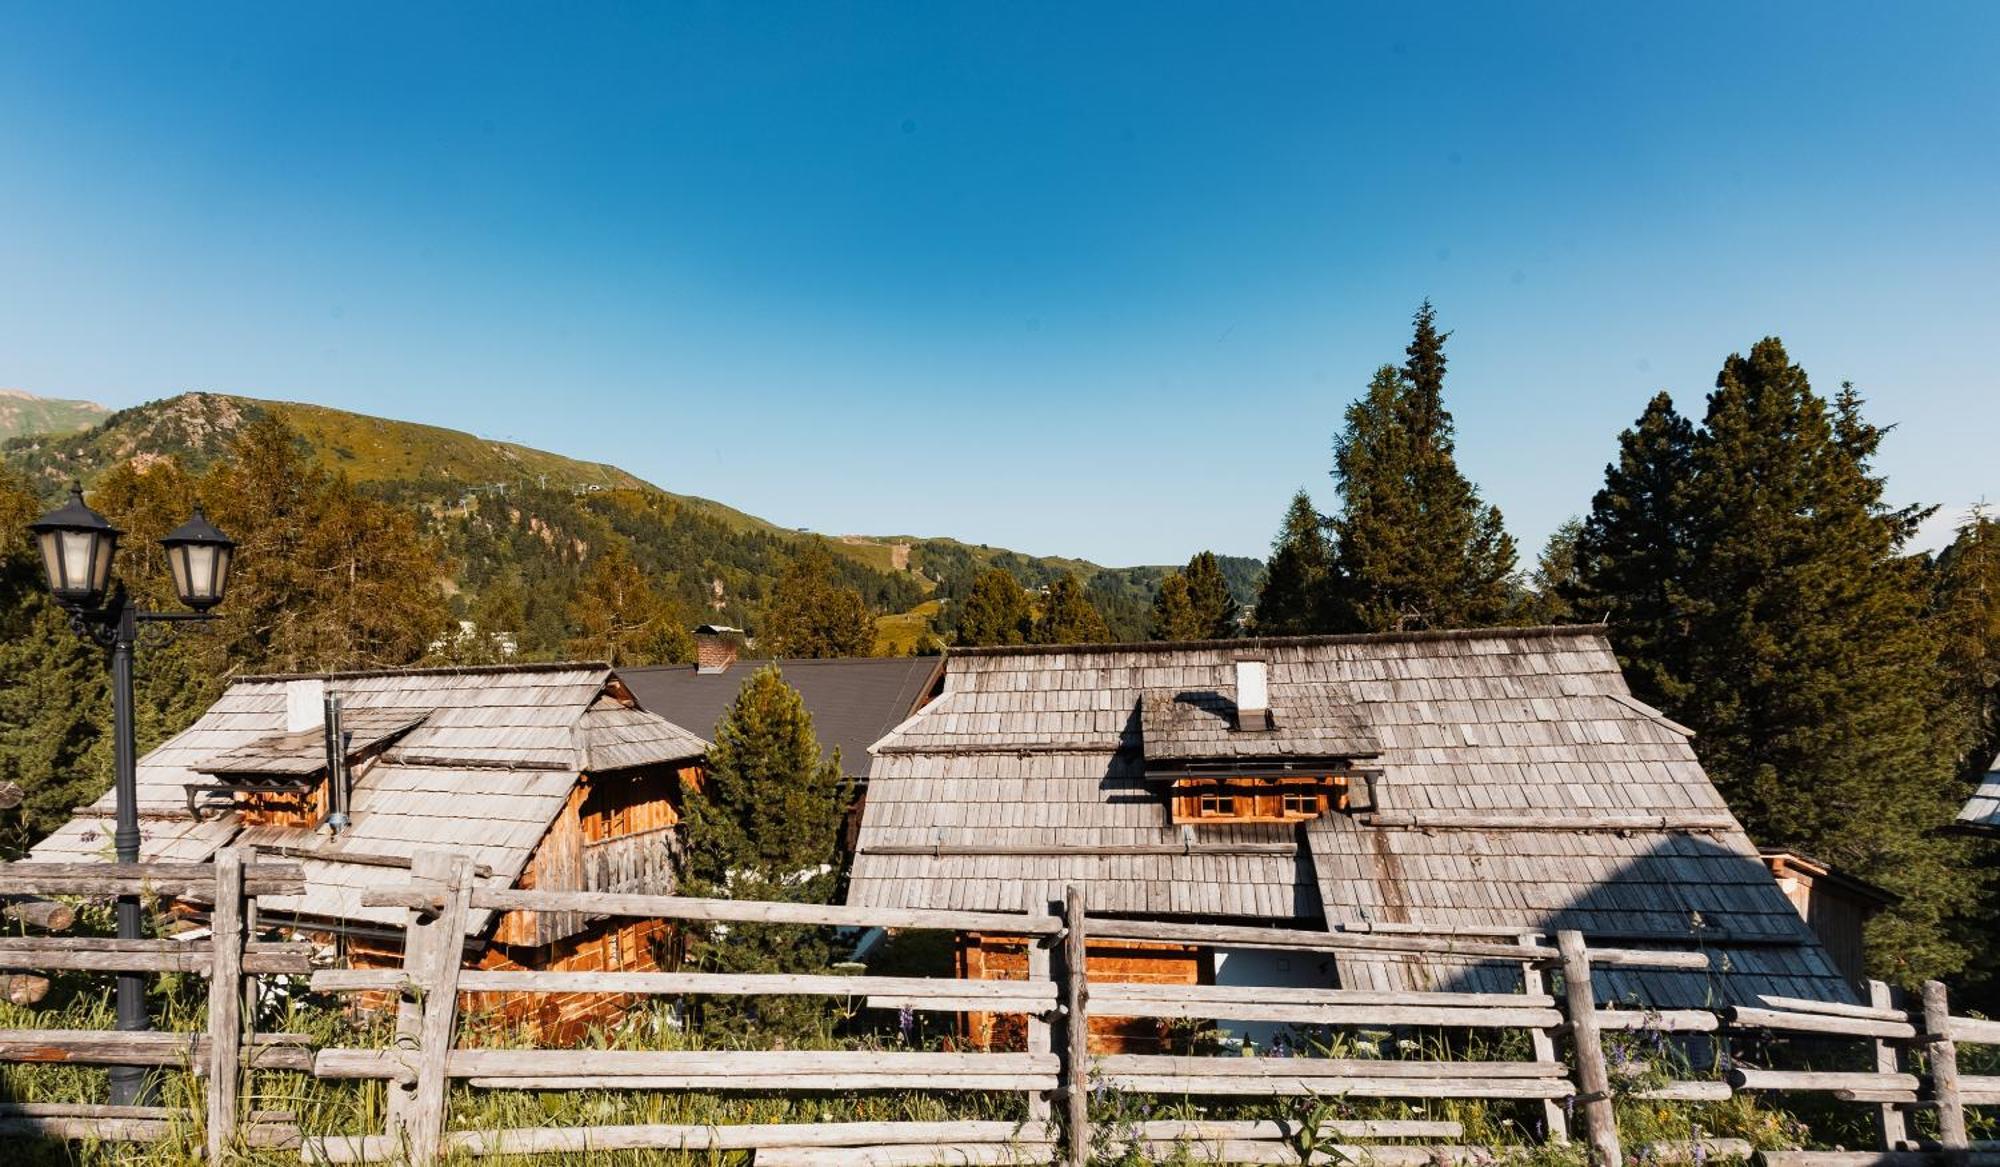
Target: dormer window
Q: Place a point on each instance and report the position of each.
(1255, 798)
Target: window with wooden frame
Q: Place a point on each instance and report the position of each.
(1288, 798)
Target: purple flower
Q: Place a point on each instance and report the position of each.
(906, 1022)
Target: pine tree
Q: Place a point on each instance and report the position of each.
(1632, 553)
(1174, 617)
(616, 616)
(1555, 578)
(995, 611)
(1967, 605)
(1414, 544)
(1214, 607)
(812, 614)
(764, 824)
(1812, 675)
(1068, 616)
(1299, 577)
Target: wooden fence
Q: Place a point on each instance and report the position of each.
(1567, 1073)
(222, 1054)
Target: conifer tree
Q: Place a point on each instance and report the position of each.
(1174, 616)
(1967, 589)
(995, 611)
(1414, 544)
(1299, 577)
(616, 616)
(1812, 676)
(1214, 607)
(764, 824)
(1068, 616)
(812, 614)
(1632, 553)
(1555, 579)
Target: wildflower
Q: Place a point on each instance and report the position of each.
(906, 1022)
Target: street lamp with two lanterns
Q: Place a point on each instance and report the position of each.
(78, 548)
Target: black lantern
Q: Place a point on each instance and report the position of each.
(77, 548)
(198, 555)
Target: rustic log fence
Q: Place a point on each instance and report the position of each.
(1912, 1045)
(223, 1053)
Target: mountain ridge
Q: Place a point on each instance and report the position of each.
(23, 413)
(721, 560)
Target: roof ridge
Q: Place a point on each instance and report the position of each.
(433, 671)
(1540, 631)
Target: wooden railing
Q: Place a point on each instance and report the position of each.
(223, 1053)
(1566, 1072)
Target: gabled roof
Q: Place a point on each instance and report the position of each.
(1982, 811)
(1520, 787)
(485, 761)
(303, 753)
(853, 701)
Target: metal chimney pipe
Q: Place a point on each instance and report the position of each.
(336, 769)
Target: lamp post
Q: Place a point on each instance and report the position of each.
(78, 547)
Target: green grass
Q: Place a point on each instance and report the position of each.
(897, 634)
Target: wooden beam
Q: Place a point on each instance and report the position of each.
(1075, 1081)
(1891, 1127)
(225, 1004)
(1013, 995)
(1541, 1039)
(1658, 1020)
(1278, 1082)
(1745, 1017)
(423, 1125)
(1682, 821)
(1872, 1011)
(1743, 1078)
(725, 911)
(185, 880)
(48, 915)
(1586, 1045)
(1943, 1055)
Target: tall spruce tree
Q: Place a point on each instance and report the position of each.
(1632, 553)
(1967, 590)
(1174, 617)
(1293, 599)
(812, 614)
(1555, 578)
(1812, 676)
(1068, 616)
(995, 611)
(1415, 546)
(1215, 608)
(764, 824)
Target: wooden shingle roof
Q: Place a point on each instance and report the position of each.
(1198, 724)
(485, 761)
(1520, 787)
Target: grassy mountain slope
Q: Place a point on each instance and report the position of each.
(24, 413)
(522, 519)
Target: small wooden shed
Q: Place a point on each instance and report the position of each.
(547, 776)
(1836, 906)
(1981, 814)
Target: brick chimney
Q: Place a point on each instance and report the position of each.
(716, 647)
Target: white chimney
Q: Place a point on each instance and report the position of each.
(305, 705)
(1253, 695)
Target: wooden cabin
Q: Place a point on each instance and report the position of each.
(1492, 782)
(547, 776)
(1836, 906)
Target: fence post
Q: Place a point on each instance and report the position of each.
(1889, 1122)
(1038, 1038)
(1944, 1070)
(225, 1005)
(1554, 1121)
(1592, 1078)
(433, 950)
(1076, 1031)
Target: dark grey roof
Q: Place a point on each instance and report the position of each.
(853, 702)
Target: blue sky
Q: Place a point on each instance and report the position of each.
(1078, 279)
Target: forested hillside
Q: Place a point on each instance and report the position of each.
(518, 525)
